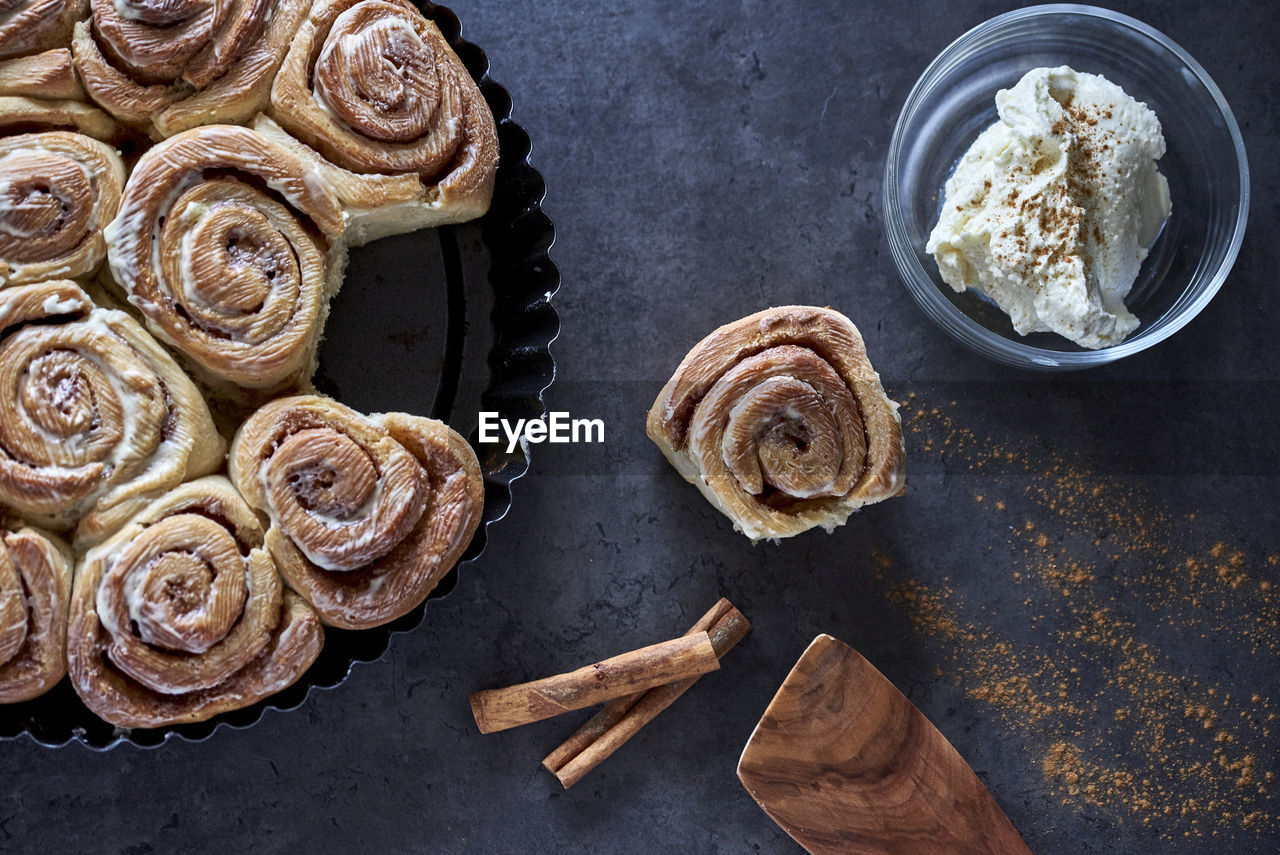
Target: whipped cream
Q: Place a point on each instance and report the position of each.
(1053, 209)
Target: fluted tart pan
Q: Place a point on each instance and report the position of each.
(388, 347)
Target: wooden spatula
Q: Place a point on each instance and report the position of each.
(845, 763)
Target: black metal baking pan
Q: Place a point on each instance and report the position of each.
(443, 323)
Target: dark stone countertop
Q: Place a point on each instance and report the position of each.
(1072, 588)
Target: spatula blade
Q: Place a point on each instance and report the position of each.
(846, 764)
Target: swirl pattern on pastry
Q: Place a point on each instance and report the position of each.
(170, 65)
(367, 512)
(97, 417)
(403, 133)
(31, 26)
(181, 614)
(228, 246)
(58, 191)
(781, 422)
(35, 591)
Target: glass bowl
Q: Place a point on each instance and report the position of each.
(954, 101)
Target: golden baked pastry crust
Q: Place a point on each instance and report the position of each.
(164, 69)
(181, 615)
(35, 593)
(32, 26)
(102, 419)
(230, 270)
(58, 192)
(42, 92)
(367, 513)
(423, 153)
(781, 422)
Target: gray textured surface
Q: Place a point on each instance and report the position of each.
(706, 160)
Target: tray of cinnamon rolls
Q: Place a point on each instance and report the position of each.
(261, 263)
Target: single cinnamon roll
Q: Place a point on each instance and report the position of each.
(58, 191)
(31, 26)
(41, 92)
(181, 615)
(35, 591)
(402, 132)
(227, 245)
(781, 422)
(97, 419)
(169, 65)
(367, 512)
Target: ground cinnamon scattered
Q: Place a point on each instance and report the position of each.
(1184, 751)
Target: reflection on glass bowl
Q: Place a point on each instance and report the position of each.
(954, 101)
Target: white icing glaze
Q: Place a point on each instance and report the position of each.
(53, 306)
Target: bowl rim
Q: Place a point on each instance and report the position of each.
(969, 332)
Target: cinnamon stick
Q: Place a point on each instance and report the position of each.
(627, 674)
(614, 711)
(609, 729)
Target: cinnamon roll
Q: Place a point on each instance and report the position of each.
(42, 92)
(35, 591)
(228, 247)
(781, 422)
(403, 134)
(181, 615)
(169, 65)
(97, 419)
(58, 191)
(367, 512)
(31, 26)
